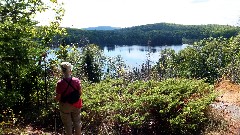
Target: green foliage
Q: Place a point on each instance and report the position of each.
(209, 59)
(25, 72)
(232, 69)
(173, 106)
(115, 67)
(92, 62)
(166, 65)
(8, 122)
(62, 53)
(159, 34)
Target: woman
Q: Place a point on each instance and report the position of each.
(70, 113)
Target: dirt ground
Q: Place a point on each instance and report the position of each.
(228, 106)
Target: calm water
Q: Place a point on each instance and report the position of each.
(135, 55)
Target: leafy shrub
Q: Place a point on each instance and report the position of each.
(232, 69)
(92, 62)
(173, 106)
(209, 59)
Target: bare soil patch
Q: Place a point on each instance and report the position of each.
(227, 105)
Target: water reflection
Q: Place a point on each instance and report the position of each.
(135, 55)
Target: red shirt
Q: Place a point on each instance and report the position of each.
(62, 86)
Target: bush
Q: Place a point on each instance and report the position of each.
(173, 106)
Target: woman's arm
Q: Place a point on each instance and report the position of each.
(58, 90)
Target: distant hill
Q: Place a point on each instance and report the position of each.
(155, 34)
(102, 28)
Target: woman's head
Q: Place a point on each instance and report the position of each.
(66, 67)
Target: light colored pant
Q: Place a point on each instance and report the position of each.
(70, 116)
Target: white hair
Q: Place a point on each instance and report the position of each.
(66, 67)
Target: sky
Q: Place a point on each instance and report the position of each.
(128, 13)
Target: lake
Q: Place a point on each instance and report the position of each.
(135, 55)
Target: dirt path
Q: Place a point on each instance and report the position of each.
(228, 106)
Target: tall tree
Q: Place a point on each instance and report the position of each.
(22, 47)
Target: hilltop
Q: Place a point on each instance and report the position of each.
(158, 34)
(102, 28)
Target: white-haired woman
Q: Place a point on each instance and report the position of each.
(69, 112)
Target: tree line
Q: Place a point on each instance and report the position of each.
(154, 34)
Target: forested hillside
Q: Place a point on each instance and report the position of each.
(102, 28)
(156, 34)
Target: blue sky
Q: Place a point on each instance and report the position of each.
(127, 13)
